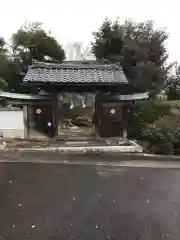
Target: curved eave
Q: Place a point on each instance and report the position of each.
(18, 96)
(135, 96)
(124, 97)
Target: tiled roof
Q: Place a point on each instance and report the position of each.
(74, 73)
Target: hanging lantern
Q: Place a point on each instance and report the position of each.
(71, 105)
(113, 111)
(49, 124)
(38, 111)
(83, 103)
(60, 97)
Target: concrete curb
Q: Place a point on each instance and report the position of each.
(133, 147)
(91, 155)
(83, 149)
(113, 160)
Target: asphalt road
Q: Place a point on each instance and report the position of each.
(41, 201)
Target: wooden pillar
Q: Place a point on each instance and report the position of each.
(55, 117)
(124, 134)
(96, 118)
(26, 122)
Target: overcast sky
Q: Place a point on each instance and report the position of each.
(75, 20)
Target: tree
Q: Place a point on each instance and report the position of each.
(31, 42)
(108, 42)
(172, 87)
(3, 64)
(138, 47)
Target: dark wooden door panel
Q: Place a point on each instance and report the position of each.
(109, 129)
(110, 119)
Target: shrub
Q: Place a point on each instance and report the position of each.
(157, 125)
(146, 112)
(163, 137)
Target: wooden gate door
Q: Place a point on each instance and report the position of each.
(42, 120)
(110, 119)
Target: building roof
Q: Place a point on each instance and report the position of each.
(74, 72)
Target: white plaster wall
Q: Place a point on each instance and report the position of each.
(11, 124)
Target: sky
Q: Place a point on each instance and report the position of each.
(75, 20)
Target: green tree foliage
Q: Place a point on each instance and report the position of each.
(108, 42)
(31, 42)
(172, 87)
(138, 47)
(3, 64)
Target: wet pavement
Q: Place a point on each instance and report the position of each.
(80, 202)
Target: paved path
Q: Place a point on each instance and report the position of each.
(79, 201)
